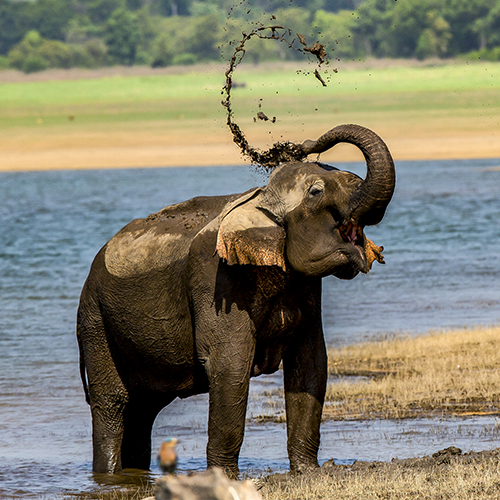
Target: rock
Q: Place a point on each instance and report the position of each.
(452, 450)
(444, 456)
(209, 485)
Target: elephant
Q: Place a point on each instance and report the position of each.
(205, 294)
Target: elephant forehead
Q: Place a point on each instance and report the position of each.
(138, 252)
(290, 192)
(286, 192)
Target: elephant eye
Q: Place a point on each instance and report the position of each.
(315, 190)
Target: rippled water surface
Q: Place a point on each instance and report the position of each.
(442, 238)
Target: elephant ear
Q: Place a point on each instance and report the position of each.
(247, 234)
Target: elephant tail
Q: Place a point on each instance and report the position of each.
(83, 374)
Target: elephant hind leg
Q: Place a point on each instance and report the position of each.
(107, 433)
(139, 418)
(108, 401)
(107, 394)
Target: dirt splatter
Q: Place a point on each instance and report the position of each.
(262, 116)
(318, 76)
(280, 151)
(316, 49)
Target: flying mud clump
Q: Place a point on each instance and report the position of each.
(280, 151)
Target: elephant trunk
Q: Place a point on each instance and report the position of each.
(369, 202)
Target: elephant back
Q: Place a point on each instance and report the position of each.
(162, 239)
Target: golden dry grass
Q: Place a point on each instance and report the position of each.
(469, 477)
(454, 372)
(130, 493)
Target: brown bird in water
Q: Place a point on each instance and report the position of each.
(167, 457)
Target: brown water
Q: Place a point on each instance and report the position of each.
(441, 236)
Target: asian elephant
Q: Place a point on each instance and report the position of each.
(205, 294)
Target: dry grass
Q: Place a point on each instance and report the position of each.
(442, 476)
(128, 493)
(475, 476)
(454, 372)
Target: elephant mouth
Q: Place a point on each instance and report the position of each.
(352, 234)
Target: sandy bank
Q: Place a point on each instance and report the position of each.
(136, 147)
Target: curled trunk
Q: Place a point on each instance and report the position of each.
(369, 202)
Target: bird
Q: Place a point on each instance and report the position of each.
(167, 456)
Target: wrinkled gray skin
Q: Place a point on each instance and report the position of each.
(205, 294)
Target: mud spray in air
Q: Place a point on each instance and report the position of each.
(282, 151)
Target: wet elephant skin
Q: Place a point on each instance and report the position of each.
(206, 294)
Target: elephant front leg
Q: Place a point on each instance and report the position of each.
(229, 378)
(305, 374)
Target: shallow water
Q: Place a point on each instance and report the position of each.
(441, 236)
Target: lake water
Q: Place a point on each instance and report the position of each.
(442, 240)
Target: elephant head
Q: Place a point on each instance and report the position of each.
(310, 216)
